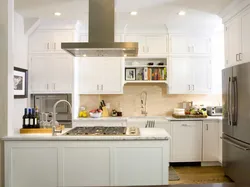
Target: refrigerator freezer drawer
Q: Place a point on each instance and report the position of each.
(236, 160)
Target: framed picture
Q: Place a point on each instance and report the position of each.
(130, 74)
(20, 79)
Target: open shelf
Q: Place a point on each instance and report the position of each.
(142, 81)
(145, 66)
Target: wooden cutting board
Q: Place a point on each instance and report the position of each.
(189, 116)
(40, 130)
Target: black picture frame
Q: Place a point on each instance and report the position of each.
(25, 76)
(134, 74)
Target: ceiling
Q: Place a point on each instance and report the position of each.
(150, 12)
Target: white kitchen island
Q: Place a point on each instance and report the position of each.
(72, 161)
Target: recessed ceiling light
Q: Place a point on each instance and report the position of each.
(182, 13)
(133, 13)
(125, 55)
(57, 14)
(84, 55)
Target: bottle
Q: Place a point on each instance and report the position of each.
(37, 119)
(31, 118)
(25, 119)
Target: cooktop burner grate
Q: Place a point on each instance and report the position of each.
(97, 131)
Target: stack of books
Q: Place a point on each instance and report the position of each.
(153, 73)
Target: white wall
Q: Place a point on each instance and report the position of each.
(6, 74)
(21, 61)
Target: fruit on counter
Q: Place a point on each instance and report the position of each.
(96, 111)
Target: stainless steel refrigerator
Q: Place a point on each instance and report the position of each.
(236, 123)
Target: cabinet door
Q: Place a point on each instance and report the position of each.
(111, 82)
(220, 142)
(140, 39)
(210, 141)
(181, 75)
(89, 75)
(234, 38)
(245, 30)
(31, 163)
(179, 44)
(40, 41)
(83, 38)
(202, 75)
(62, 80)
(156, 44)
(200, 45)
(118, 38)
(40, 68)
(186, 141)
(59, 37)
(226, 46)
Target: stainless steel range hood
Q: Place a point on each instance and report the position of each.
(101, 35)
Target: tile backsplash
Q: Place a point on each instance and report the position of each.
(159, 103)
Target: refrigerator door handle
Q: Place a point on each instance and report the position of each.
(234, 144)
(235, 85)
(229, 101)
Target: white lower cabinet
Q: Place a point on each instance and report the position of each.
(210, 141)
(86, 163)
(186, 141)
(34, 165)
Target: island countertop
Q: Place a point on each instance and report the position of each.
(145, 134)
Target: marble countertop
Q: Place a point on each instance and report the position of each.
(102, 119)
(170, 118)
(145, 134)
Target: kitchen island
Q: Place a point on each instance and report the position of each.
(45, 160)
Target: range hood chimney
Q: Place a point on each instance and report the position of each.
(101, 35)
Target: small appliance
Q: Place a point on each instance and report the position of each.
(214, 110)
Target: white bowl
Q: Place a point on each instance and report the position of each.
(95, 115)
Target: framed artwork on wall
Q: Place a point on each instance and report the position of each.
(130, 74)
(20, 80)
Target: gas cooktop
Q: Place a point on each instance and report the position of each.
(103, 131)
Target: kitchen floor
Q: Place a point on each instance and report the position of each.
(200, 175)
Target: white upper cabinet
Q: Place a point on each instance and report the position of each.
(149, 44)
(245, 46)
(62, 75)
(156, 44)
(51, 74)
(190, 75)
(182, 44)
(202, 75)
(180, 75)
(62, 36)
(210, 141)
(44, 41)
(179, 44)
(186, 141)
(83, 38)
(234, 41)
(141, 42)
(237, 39)
(40, 73)
(100, 76)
